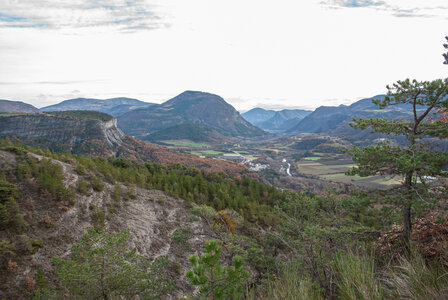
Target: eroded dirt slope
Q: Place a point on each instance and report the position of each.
(151, 217)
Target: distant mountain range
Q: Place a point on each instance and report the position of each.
(113, 106)
(328, 118)
(8, 106)
(196, 116)
(271, 120)
(205, 117)
(284, 119)
(334, 120)
(258, 115)
(191, 115)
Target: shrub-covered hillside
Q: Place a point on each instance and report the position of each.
(268, 243)
(82, 115)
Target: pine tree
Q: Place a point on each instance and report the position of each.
(24, 170)
(445, 55)
(101, 267)
(4, 216)
(416, 160)
(215, 280)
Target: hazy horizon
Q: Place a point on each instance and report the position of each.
(265, 106)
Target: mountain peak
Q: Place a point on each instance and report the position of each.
(191, 92)
(9, 106)
(194, 97)
(189, 107)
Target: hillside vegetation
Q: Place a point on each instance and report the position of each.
(108, 227)
(283, 243)
(192, 132)
(209, 113)
(82, 115)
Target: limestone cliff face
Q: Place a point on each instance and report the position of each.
(99, 138)
(61, 133)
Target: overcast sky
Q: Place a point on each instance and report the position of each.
(269, 53)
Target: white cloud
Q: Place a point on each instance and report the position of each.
(397, 8)
(125, 15)
(285, 53)
(354, 3)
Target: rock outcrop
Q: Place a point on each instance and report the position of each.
(59, 133)
(99, 137)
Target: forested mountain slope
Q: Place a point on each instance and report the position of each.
(190, 107)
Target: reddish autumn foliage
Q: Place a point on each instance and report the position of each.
(12, 265)
(30, 284)
(429, 235)
(443, 114)
(143, 151)
(227, 220)
(47, 221)
(63, 208)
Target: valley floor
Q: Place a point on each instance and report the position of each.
(305, 158)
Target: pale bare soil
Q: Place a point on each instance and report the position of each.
(151, 218)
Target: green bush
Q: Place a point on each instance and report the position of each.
(4, 217)
(182, 235)
(16, 150)
(37, 244)
(50, 178)
(83, 186)
(98, 218)
(70, 195)
(7, 190)
(97, 184)
(43, 291)
(24, 170)
(82, 115)
(11, 218)
(117, 192)
(212, 278)
(7, 248)
(19, 224)
(80, 170)
(102, 267)
(131, 193)
(23, 244)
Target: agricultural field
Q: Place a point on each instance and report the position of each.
(333, 168)
(306, 154)
(207, 153)
(312, 158)
(185, 143)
